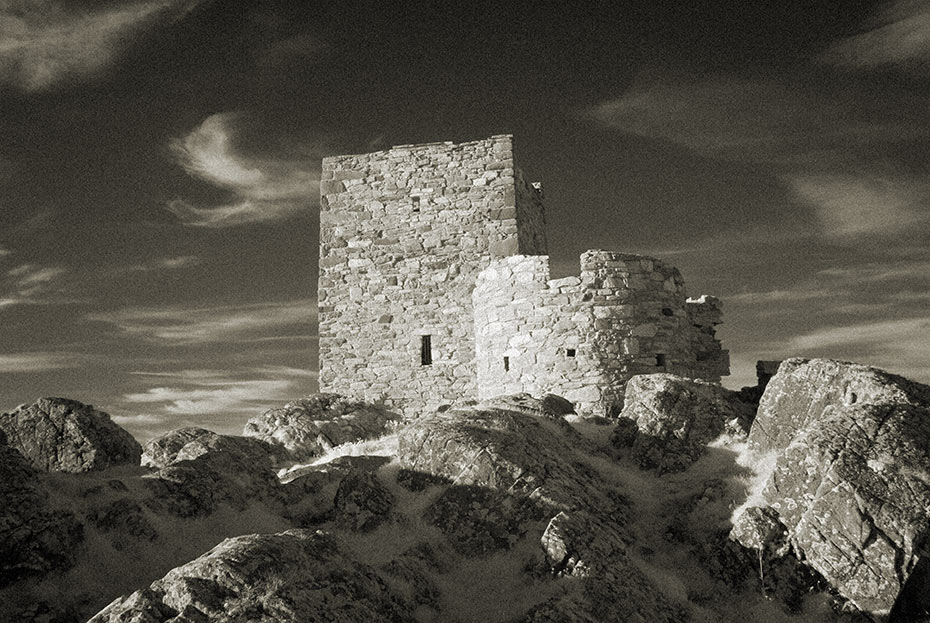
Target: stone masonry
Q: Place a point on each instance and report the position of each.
(434, 286)
(403, 236)
(584, 337)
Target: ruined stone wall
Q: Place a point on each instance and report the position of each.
(403, 235)
(584, 337)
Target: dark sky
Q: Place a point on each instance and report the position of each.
(159, 165)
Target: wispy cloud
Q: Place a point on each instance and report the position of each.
(214, 392)
(43, 42)
(31, 284)
(766, 121)
(835, 150)
(181, 325)
(37, 362)
(899, 35)
(216, 396)
(849, 206)
(164, 263)
(263, 188)
(4, 251)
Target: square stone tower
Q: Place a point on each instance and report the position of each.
(403, 235)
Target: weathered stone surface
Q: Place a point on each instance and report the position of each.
(188, 443)
(584, 337)
(850, 482)
(61, 435)
(668, 420)
(500, 449)
(759, 528)
(34, 539)
(854, 492)
(309, 427)
(548, 406)
(803, 388)
(362, 503)
(222, 470)
(296, 575)
(400, 248)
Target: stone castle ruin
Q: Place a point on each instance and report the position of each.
(434, 286)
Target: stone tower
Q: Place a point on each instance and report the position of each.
(404, 234)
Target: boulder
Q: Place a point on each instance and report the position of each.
(61, 435)
(547, 406)
(188, 443)
(298, 575)
(851, 478)
(853, 490)
(34, 539)
(504, 450)
(803, 388)
(220, 470)
(309, 427)
(667, 420)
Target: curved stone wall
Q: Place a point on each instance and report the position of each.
(584, 337)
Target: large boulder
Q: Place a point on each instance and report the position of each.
(201, 470)
(501, 449)
(667, 420)
(184, 444)
(61, 435)
(804, 388)
(851, 482)
(298, 575)
(308, 427)
(34, 539)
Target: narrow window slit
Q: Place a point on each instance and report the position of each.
(506, 364)
(426, 350)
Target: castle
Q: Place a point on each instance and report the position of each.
(434, 286)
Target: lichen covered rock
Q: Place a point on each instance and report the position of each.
(668, 420)
(851, 482)
(34, 539)
(308, 427)
(296, 575)
(804, 388)
(188, 443)
(61, 435)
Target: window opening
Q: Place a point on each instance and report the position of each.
(570, 352)
(426, 350)
(506, 364)
(660, 360)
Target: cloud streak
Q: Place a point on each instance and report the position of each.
(29, 284)
(43, 43)
(263, 189)
(37, 362)
(181, 325)
(900, 35)
(212, 393)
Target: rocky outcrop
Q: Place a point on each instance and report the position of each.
(34, 539)
(309, 427)
(668, 420)
(851, 483)
(547, 406)
(203, 470)
(61, 435)
(188, 443)
(296, 575)
(803, 389)
(500, 449)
